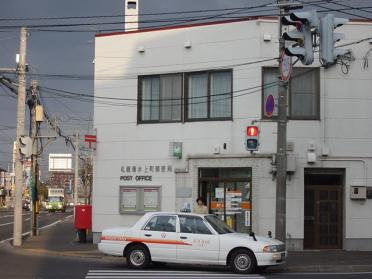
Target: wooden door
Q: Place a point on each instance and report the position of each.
(323, 217)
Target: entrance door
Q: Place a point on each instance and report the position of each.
(227, 192)
(323, 217)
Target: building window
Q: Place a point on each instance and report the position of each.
(160, 98)
(209, 95)
(203, 96)
(303, 93)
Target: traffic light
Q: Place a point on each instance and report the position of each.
(305, 22)
(25, 146)
(328, 38)
(251, 138)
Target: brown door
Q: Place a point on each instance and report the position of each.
(323, 217)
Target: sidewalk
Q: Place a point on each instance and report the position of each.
(61, 240)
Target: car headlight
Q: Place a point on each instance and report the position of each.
(270, 249)
(59, 205)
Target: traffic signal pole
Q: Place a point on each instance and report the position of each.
(76, 174)
(19, 181)
(281, 153)
(34, 169)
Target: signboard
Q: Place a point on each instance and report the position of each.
(90, 141)
(269, 105)
(60, 162)
(150, 199)
(139, 199)
(285, 66)
(128, 199)
(220, 193)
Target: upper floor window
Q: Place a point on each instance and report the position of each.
(185, 97)
(161, 98)
(303, 93)
(209, 95)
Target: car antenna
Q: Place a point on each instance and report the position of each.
(253, 235)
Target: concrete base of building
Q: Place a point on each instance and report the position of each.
(358, 244)
(96, 237)
(295, 244)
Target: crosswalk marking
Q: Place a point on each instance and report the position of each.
(147, 274)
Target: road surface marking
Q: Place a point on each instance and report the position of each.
(147, 274)
(6, 224)
(29, 232)
(325, 273)
(7, 216)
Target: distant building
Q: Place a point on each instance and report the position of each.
(174, 129)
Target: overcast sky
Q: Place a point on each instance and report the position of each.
(72, 53)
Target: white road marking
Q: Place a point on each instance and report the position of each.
(6, 224)
(147, 274)
(7, 216)
(40, 228)
(325, 273)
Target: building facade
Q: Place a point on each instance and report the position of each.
(173, 125)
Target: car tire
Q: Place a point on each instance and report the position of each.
(243, 261)
(138, 257)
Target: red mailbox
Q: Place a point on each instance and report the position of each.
(83, 217)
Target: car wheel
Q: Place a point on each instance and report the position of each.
(243, 261)
(138, 257)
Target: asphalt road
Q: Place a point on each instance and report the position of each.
(44, 219)
(45, 267)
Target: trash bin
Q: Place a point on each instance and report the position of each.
(83, 221)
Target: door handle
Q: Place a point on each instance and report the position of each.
(183, 237)
(148, 235)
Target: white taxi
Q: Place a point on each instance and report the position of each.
(188, 238)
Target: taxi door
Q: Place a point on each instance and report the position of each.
(160, 235)
(199, 245)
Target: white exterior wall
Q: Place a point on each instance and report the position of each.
(344, 126)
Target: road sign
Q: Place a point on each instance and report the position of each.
(90, 141)
(285, 67)
(269, 105)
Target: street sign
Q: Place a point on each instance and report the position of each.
(269, 105)
(285, 66)
(90, 141)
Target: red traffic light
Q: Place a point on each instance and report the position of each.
(252, 131)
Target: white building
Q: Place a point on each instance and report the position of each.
(174, 130)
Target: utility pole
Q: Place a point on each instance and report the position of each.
(34, 169)
(76, 178)
(281, 153)
(21, 71)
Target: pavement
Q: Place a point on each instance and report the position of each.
(60, 240)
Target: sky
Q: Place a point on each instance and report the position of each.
(72, 53)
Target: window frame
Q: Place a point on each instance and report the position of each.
(157, 216)
(289, 96)
(184, 98)
(195, 217)
(139, 99)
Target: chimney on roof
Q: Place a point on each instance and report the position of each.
(131, 15)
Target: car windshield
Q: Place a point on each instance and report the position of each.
(219, 226)
(55, 199)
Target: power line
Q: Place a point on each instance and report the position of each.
(178, 20)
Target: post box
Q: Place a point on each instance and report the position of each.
(83, 221)
(83, 217)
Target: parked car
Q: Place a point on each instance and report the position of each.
(190, 239)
